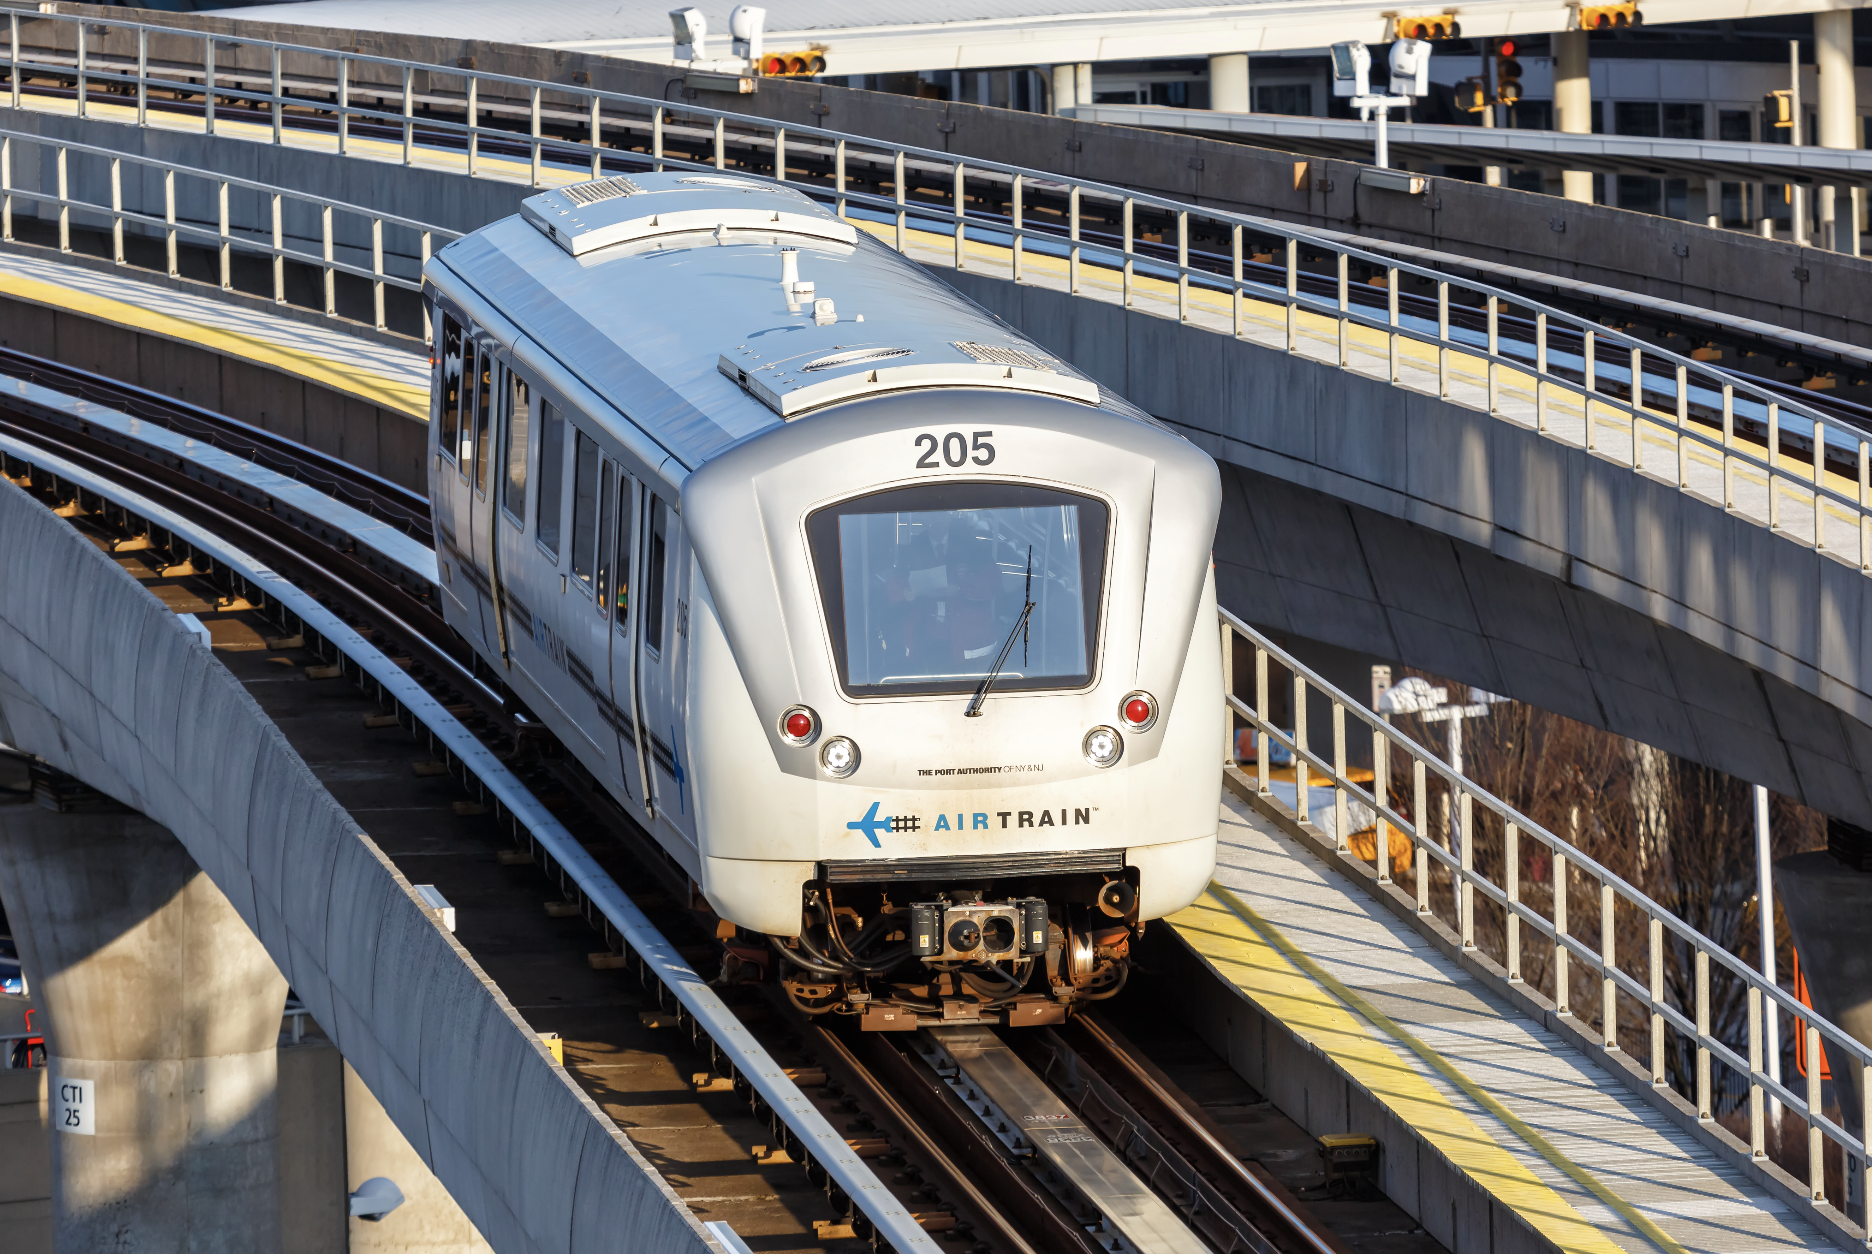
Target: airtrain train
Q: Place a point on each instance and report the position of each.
(893, 629)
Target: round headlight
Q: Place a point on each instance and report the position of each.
(1103, 746)
(799, 726)
(1139, 711)
(839, 757)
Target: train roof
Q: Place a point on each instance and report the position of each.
(663, 294)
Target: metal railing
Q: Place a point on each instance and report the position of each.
(1437, 853)
(224, 236)
(1727, 439)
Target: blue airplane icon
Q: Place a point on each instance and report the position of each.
(871, 825)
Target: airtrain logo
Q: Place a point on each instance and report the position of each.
(871, 823)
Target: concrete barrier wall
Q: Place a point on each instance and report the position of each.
(26, 1174)
(97, 677)
(1525, 566)
(1772, 280)
(384, 441)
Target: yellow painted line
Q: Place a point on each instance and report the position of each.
(1280, 978)
(365, 385)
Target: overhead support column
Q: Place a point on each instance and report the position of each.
(1839, 121)
(1064, 94)
(1572, 92)
(158, 997)
(1228, 83)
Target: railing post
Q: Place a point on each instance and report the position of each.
(279, 252)
(1758, 1146)
(331, 275)
(656, 138)
(1816, 1139)
(1391, 316)
(279, 101)
(6, 188)
(1703, 1103)
(597, 126)
(897, 182)
(1228, 691)
(1130, 245)
(1303, 808)
(721, 144)
(1658, 1073)
(779, 153)
(64, 208)
(1072, 256)
(1345, 308)
(377, 271)
(1728, 443)
(1511, 888)
(428, 322)
(344, 107)
(1774, 466)
(1381, 789)
(1540, 371)
(13, 60)
(1341, 836)
(84, 86)
(1563, 977)
(409, 118)
(473, 93)
(1020, 235)
(1420, 822)
(1819, 474)
(1182, 265)
(1262, 739)
(1235, 272)
(534, 131)
(227, 248)
(1637, 384)
(208, 84)
(1465, 891)
(142, 74)
(1494, 350)
(1608, 963)
(961, 200)
(169, 234)
(838, 184)
(1293, 296)
(116, 176)
(1442, 352)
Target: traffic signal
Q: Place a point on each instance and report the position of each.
(1471, 95)
(1778, 109)
(1507, 72)
(1429, 26)
(792, 64)
(1610, 16)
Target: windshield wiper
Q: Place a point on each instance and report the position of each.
(1007, 646)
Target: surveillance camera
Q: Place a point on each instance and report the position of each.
(374, 1199)
(1410, 67)
(1351, 69)
(691, 30)
(745, 25)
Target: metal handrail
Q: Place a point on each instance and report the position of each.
(1604, 391)
(225, 236)
(1466, 882)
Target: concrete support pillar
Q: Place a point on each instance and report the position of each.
(1572, 91)
(429, 1221)
(1064, 94)
(1839, 116)
(154, 990)
(1228, 83)
(1082, 83)
(1829, 910)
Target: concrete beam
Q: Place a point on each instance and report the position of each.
(96, 677)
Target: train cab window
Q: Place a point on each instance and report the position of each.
(551, 476)
(514, 435)
(607, 498)
(653, 577)
(585, 511)
(451, 385)
(484, 409)
(625, 510)
(924, 586)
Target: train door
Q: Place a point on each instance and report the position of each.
(465, 576)
(626, 504)
(535, 583)
(480, 497)
(446, 482)
(661, 657)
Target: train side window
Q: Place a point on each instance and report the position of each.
(607, 498)
(585, 510)
(451, 384)
(624, 532)
(653, 578)
(551, 476)
(484, 414)
(514, 433)
(471, 374)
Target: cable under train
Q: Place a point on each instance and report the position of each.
(894, 630)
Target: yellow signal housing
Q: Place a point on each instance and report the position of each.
(1610, 16)
(1779, 105)
(1426, 26)
(793, 64)
(1471, 97)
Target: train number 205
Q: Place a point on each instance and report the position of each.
(955, 449)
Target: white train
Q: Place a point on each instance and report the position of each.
(894, 631)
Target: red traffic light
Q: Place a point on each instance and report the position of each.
(1505, 47)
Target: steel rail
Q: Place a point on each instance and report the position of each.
(735, 1048)
(1392, 749)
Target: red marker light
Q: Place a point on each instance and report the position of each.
(799, 725)
(1137, 710)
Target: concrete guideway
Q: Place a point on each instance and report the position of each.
(1357, 1022)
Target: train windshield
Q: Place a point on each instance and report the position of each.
(925, 587)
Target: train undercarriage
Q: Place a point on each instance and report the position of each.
(900, 956)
